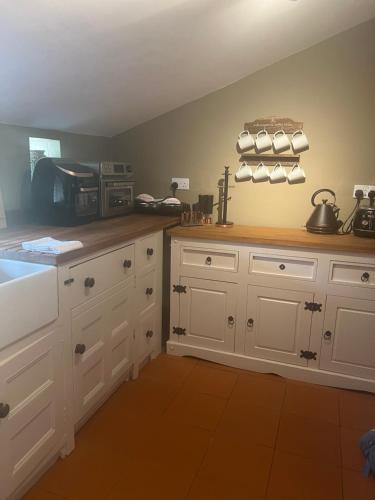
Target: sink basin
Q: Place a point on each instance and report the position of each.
(28, 298)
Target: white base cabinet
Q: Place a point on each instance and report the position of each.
(32, 406)
(301, 314)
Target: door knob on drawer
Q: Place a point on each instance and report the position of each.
(208, 261)
(149, 291)
(127, 263)
(80, 349)
(4, 410)
(365, 277)
(282, 267)
(149, 334)
(150, 252)
(327, 335)
(230, 320)
(89, 282)
(250, 323)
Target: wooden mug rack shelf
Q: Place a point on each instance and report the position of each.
(273, 124)
(270, 159)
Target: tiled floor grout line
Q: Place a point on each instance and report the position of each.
(276, 437)
(211, 438)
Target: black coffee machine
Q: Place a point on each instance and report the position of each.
(64, 192)
(364, 219)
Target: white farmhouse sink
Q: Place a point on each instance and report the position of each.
(28, 298)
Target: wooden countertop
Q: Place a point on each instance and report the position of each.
(274, 236)
(95, 236)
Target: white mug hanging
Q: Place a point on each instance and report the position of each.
(278, 174)
(263, 141)
(280, 141)
(299, 141)
(245, 141)
(296, 175)
(244, 173)
(261, 173)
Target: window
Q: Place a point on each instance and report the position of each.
(40, 148)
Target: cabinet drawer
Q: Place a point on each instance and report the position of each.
(146, 252)
(146, 291)
(210, 259)
(290, 267)
(345, 273)
(148, 333)
(96, 275)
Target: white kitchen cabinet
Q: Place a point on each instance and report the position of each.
(277, 324)
(348, 337)
(32, 407)
(102, 332)
(300, 313)
(207, 314)
(148, 333)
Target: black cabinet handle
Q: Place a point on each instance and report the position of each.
(89, 282)
(127, 263)
(150, 252)
(365, 277)
(230, 320)
(282, 267)
(250, 323)
(80, 349)
(149, 334)
(149, 291)
(327, 335)
(208, 261)
(4, 410)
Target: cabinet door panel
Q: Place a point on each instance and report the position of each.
(148, 333)
(31, 383)
(119, 310)
(89, 329)
(349, 344)
(204, 313)
(278, 326)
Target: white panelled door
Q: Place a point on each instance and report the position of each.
(348, 340)
(208, 313)
(277, 324)
(32, 411)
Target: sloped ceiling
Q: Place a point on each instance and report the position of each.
(103, 66)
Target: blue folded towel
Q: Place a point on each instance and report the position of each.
(367, 445)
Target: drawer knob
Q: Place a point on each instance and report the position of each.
(4, 410)
(80, 349)
(150, 252)
(230, 320)
(327, 335)
(208, 261)
(365, 277)
(149, 291)
(250, 323)
(282, 267)
(127, 263)
(89, 282)
(149, 334)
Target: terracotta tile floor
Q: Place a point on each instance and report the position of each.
(193, 430)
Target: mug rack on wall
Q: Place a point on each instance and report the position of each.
(272, 125)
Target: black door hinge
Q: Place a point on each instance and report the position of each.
(179, 331)
(313, 306)
(69, 281)
(308, 354)
(179, 289)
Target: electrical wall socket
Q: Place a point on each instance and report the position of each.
(364, 188)
(183, 183)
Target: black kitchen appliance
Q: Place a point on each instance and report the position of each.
(64, 192)
(116, 187)
(364, 219)
(324, 219)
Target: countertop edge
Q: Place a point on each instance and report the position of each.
(286, 237)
